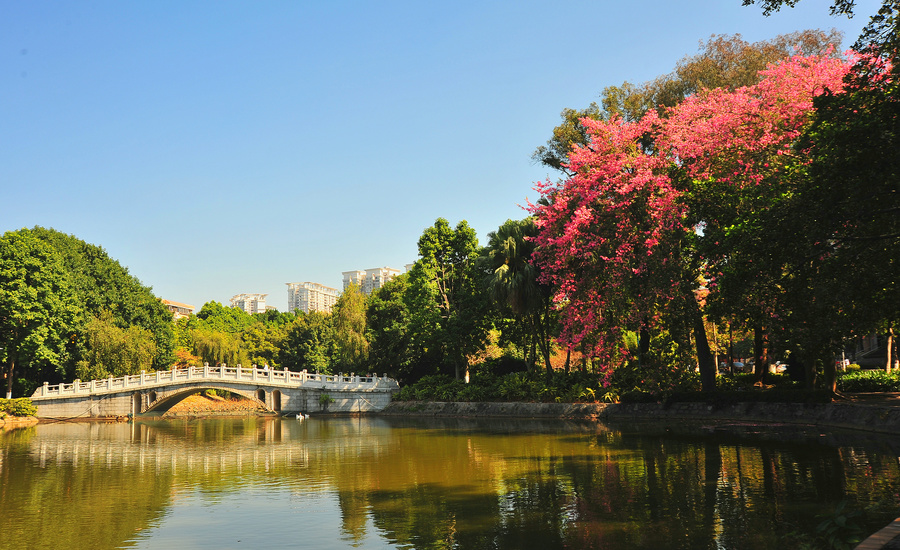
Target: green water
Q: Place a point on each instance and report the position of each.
(430, 483)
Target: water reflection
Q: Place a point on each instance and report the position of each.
(414, 483)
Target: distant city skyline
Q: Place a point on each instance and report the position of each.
(215, 149)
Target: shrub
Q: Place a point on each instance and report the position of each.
(18, 407)
(868, 381)
(325, 400)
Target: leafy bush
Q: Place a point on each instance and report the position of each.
(18, 407)
(868, 381)
(325, 400)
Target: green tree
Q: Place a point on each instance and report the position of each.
(263, 341)
(512, 282)
(388, 318)
(217, 347)
(100, 284)
(308, 343)
(37, 313)
(445, 298)
(114, 351)
(348, 318)
(215, 316)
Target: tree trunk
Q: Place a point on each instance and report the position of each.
(9, 377)
(704, 355)
(760, 352)
(809, 373)
(568, 356)
(715, 347)
(544, 347)
(890, 347)
(830, 374)
(643, 345)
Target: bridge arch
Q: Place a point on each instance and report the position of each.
(167, 401)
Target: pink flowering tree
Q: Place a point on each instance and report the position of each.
(651, 202)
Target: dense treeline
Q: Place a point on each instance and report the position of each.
(68, 310)
(744, 206)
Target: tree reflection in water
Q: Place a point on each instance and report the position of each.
(434, 483)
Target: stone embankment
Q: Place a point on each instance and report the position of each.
(880, 415)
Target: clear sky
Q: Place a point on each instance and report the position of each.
(216, 148)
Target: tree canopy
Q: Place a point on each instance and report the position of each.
(724, 61)
(38, 317)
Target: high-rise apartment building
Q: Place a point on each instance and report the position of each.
(251, 303)
(311, 297)
(370, 279)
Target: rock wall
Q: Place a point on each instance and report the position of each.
(875, 418)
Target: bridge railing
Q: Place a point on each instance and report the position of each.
(265, 376)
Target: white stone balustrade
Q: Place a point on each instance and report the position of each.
(269, 377)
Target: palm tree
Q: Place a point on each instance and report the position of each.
(512, 280)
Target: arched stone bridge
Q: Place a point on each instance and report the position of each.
(280, 391)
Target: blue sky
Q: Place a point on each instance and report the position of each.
(216, 148)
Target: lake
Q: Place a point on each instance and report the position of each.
(393, 482)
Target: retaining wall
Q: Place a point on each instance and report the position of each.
(876, 418)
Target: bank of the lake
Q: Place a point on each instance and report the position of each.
(10, 422)
(876, 413)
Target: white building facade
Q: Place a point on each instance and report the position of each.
(309, 297)
(251, 303)
(370, 279)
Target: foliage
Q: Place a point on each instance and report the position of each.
(868, 381)
(348, 319)
(388, 329)
(37, 314)
(513, 283)
(653, 201)
(185, 359)
(22, 406)
(515, 386)
(842, 530)
(308, 344)
(448, 313)
(215, 316)
(101, 284)
(325, 400)
(219, 334)
(216, 348)
(724, 61)
(112, 351)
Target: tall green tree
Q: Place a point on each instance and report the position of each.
(37, 313)
(512, 280)
(348, 318)
(448, 310)
(388, 318)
